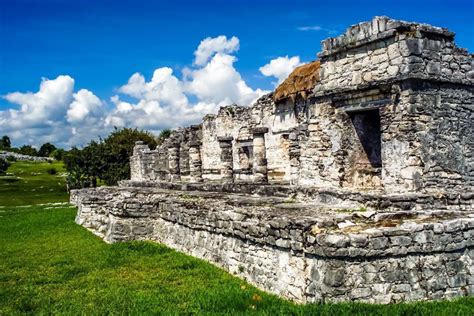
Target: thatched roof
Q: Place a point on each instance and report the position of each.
(299, 83)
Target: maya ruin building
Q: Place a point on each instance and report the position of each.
(352, 181)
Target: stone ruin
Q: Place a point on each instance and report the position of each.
(353, 180)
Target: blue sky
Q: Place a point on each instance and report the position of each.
(101, 44)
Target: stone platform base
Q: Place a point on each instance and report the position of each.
(307, 252)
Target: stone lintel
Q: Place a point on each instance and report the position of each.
(175, 143)
(225, 139)
(365, 106)
(259, 130)
(195, 143)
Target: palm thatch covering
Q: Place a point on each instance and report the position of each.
(299, 83)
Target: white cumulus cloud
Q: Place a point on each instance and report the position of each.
(49, 114)
(48, 104)
(209, 46)
(85, 103)
(164, 100)
(219, 82)
(59, 114)
(280, 67)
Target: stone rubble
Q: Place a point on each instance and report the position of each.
(20, 157)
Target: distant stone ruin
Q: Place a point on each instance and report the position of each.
(353, 180)
(20, 157)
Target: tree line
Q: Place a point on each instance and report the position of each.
(102, 161)
(46, 150)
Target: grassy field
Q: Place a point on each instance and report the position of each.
(30, 183)
(50, 265)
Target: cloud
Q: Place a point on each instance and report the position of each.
(50, 114)
(59, 114)
(48, 104)
(309, 28)
(316, 28)
(280, 67)
(164, 101)
(163, 87)
(135, 86)
(85, 103)
(219, 82)
(209, 46)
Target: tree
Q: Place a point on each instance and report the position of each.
(5, 142)
(83, 166)
(28, 150)
(164, 134)
(107, 159)
(116, 152)
(46, 149)
(58, 154)
(4, 166)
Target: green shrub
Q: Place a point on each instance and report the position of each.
(58, 154)
(46, 150)
(5, 142)
(28, 150)
(51, 171)
(164, 134)
(4, 166)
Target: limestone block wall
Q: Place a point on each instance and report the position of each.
(445, 136)
(320, 148)
(425, 139)
(401, 164)
(228, 122)
(392, 111)
(210, 149)
(281, 121)
(237, 122)
(392, 67)
(301, 254)
(142, 162)
(384, 49)
(161, 163)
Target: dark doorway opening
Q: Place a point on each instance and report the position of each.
(367, 126)
(363, 161)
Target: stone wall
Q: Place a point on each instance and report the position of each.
(392, 111)
(303, 252)
(360, 188)
(384, 50)
(420, 85)
(446, 142)
(6, 154)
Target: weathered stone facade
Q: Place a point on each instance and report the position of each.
(364, 174)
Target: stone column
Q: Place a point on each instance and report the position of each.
(294, 155)
(140, 147)
(259, 155)
(227, 169)
(195, 163)
(136, 163)
(173, 162)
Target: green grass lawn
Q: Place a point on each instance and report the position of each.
(50, 265)
(30, 183)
